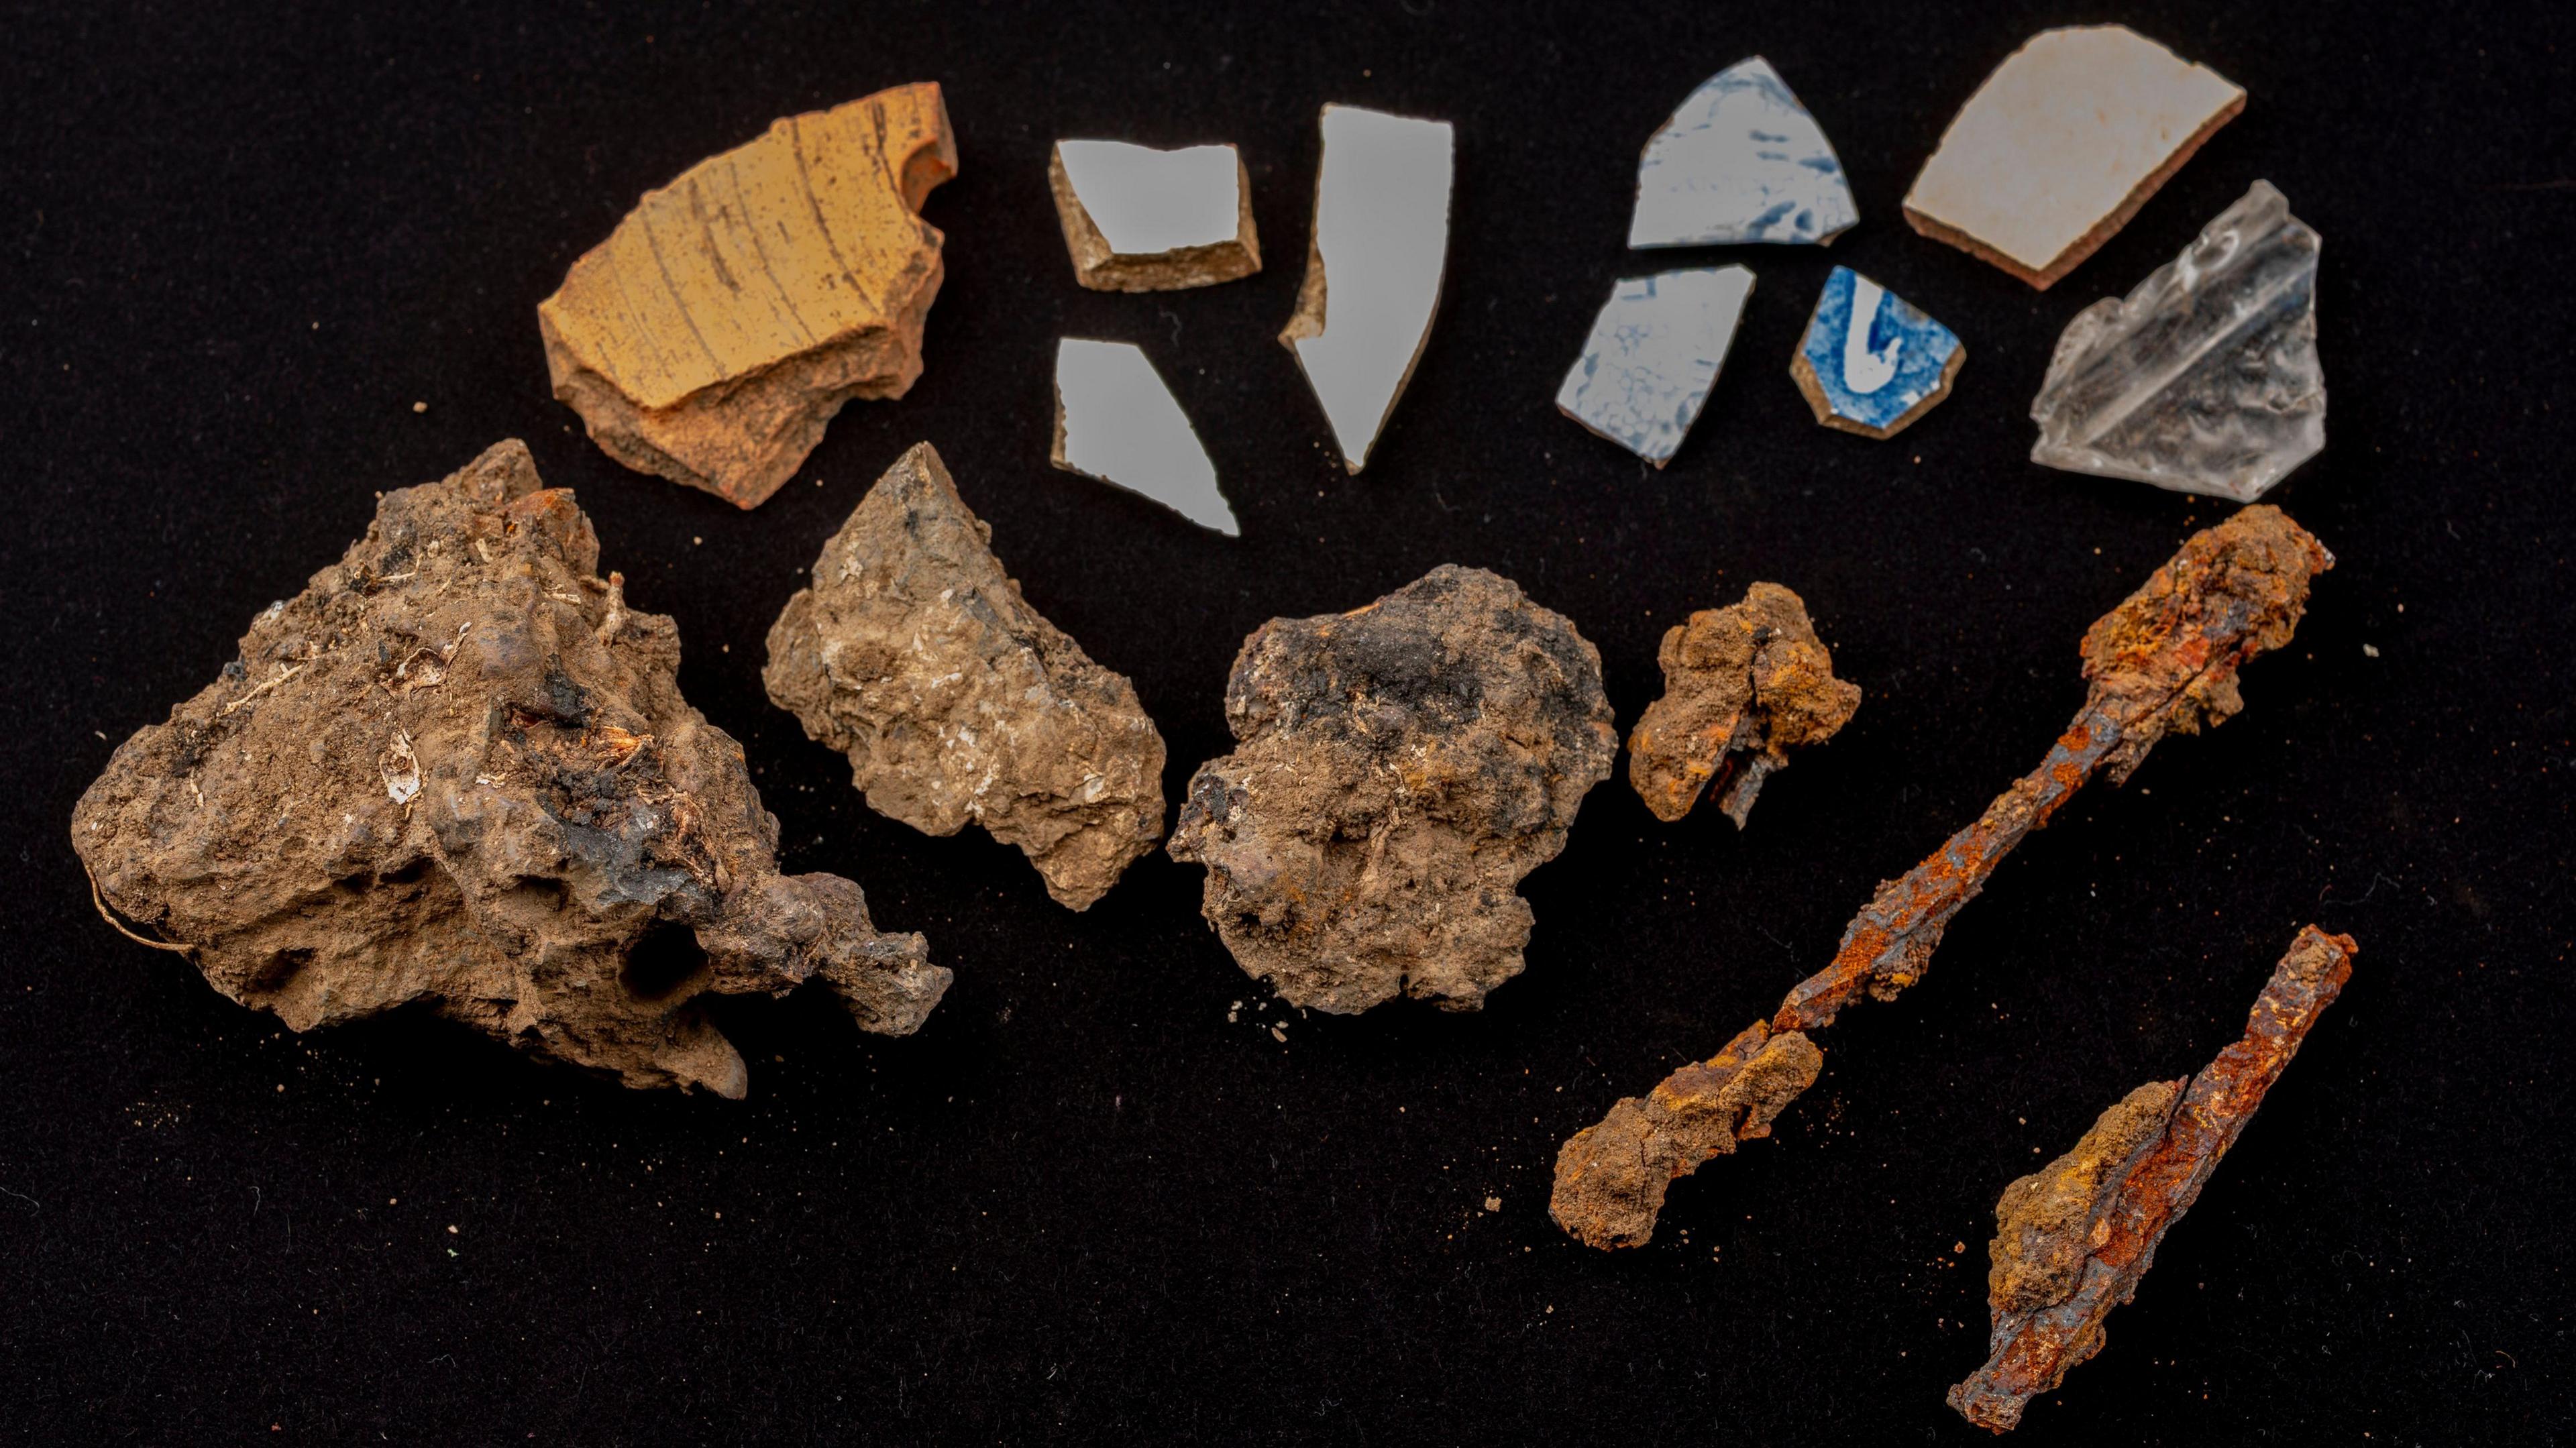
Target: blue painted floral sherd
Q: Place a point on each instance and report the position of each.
(1740, 161)
(1871, 363)
(1653, 356)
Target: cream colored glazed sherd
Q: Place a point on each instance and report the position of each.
(2062, 145)
(1141, 220)
(716, 331)
(1116, 421)
(1373, 269)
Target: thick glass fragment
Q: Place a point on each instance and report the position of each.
(1653, 356)
(1871, 363)
(1373, 269)
(1116, 421)
(2204, 379)
(1740, 161)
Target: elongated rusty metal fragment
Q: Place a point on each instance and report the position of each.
(2163, 662)
(2073, 1239)
(1619, 1170)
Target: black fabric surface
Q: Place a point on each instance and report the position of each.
(1093, 1199)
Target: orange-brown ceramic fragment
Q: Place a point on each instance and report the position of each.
(716, 331)
(2164, 661)
(2073, 1239)
(1611, 1177)
(1743, 685)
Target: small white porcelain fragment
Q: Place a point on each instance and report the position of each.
(1653, 355)
(1116, 421)
(1871, 362)
(2205, 378)
(1740, 161)
(1373, 270)
(2062, 145)
(1137, 219)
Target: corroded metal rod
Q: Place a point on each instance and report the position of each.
(2073, 1239)
(2164, 661)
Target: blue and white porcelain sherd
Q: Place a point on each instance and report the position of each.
(1740, 161)
(1653, 356)
(1871, 363)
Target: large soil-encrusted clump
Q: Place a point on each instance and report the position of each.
(1399, 769)
(457, 770)
(913, 653)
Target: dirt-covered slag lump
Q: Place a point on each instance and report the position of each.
(456, 771)
(1398, 769)
(913, 653)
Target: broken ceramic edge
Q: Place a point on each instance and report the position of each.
(2062, 145)
(1137, 219)
(1740, 160)
(1381, 236)
(1872, 363)
(712, 337)
(2205, 377)
(1117, 422)
(1653, 355)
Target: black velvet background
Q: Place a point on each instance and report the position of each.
(240, 244)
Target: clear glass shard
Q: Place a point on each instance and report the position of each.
(1116, 421)
(1871, 362)
(1740, 161)
(1373, 272)
(1653, 355)
(2205, 378)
